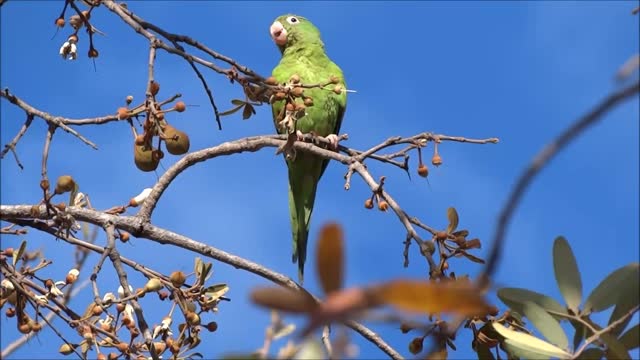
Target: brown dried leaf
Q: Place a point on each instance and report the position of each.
(452, 215)
(282, 299)
(247, 111)
(454, 296)
(330, 257)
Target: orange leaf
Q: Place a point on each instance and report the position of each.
(457, 297)
(329, 257)
(282, 299)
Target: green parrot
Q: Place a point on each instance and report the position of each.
(303, 55)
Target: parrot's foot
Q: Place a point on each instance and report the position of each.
(333, 141)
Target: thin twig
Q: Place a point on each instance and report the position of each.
(540, 161)
(597, 334)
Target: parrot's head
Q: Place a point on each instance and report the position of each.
(293, 30)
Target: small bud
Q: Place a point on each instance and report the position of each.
(154, 87)
(445, 265)
(290, 107)
(177, 278)
(140, 198)
(441, 235)
(212, 326)
(160, 347)
(368, 204)
(48, 283)
(279, 96)
(129, 99)
(163, 295)
(93, 53)
(44, 184)
(180, 106)
(113, 355)
(139, 140)
(415, 346)
(86, 14)
(73, 39)
(11, 312)
(123, 113)
(423, 170)
(383, 205)
(153, 285)
(294, 78)
(436, 160)
(122, 347)
(66, 349)
(60, 22)
(337, 89)
(101, 356)
(97, 310)
(405, 328)
(36, 327)
(308, 101)
(271, 81)
(120, 307)
(334, 79)
(72, 276)
(124, 236)
(300, 107)
(24, 328)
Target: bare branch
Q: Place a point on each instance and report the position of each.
(541, 160)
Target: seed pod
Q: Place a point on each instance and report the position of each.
(177, 278)
(297, 92)
(64, 184)
(415, 346)
(308, 101)
(129, 99)
(334, 79)
(66, 349)
(290, 107)
(60, 22)
(383, 205)
(177, 141)
(193, 319)
(294, 79)
(212, 326)
(144, 159)
(279, 96)
(337, 89)
(153, 285)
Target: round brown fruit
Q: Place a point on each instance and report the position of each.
(144, 159)
(180, 106)
(177, 141)
(60, 22)
(423, 170)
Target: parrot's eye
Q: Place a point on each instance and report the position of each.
(292, 20)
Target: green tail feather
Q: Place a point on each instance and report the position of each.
(304, 175)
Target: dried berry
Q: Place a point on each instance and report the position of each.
(423, 170)
(180, 106)
(368, 204)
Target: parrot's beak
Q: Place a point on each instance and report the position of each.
(278, 33)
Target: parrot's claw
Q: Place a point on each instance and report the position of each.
(299, 135)
(333, 140)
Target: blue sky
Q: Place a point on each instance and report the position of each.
(520, 71)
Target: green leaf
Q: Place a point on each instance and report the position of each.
(628, 299)
(631, 339)
(607, 292)
(615, 348)
(452, 215)
(516, 297)
(17, 255)
(546, 324)
(529, 346)
(567, 273)
(591, 354)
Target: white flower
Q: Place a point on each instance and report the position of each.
(42, 299)
(6, 284)
(108, 298)
(140, 198)
(69, 50)
(55, 292)
(121, 291)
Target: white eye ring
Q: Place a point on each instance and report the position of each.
(293, 20)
